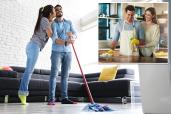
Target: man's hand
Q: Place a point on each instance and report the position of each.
(113, 45)
(70, 41)
(60, 41)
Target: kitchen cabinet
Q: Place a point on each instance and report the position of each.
(109, 14)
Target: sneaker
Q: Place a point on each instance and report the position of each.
(67, 101)
(23, 99)
(51, 102)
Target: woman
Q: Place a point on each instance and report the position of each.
(152, 32)
(41, 34)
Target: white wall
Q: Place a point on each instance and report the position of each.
(17, 21)
(14, 32)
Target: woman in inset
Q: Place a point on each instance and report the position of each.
(41, 34)
(152, 32)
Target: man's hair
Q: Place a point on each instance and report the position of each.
(130, 8)
(58, 6)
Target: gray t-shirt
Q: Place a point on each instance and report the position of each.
(40, 36)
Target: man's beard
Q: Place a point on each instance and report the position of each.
(60, 15)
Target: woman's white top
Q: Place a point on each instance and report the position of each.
(152, 36)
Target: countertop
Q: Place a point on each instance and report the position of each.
(116, 58)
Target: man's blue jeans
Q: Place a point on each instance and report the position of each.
(32, 52)
(59, 60)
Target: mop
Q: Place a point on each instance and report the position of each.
(93, 107)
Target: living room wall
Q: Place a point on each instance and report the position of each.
(17, 21)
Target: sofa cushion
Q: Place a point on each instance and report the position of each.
(125, 71)
(72, 86)
(21, 69)
(8, 68)
(75, 75)
(113, 88)
(95, 86)
(124, 76)
(9, 83)
(92, 79)
(44, 72)
(92, 75)
(108, 73)
(35, 76)
(73, 79)
(40, 76)
(38, 84)
(9, 74)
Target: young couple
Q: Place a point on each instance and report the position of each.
(62, 33)
(147, 32)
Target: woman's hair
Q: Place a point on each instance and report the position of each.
(43, 12)
(153, 13)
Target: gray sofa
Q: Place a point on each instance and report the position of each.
(38, 87)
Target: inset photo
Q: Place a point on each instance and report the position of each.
(133, 32)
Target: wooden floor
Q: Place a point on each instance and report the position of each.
(43, 108)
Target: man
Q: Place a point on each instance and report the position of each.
(126, 30)
(63, 35)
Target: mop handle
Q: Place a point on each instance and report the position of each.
(84, 79)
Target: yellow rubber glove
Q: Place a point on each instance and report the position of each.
(135, 41)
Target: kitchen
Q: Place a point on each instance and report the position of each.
(111, 13)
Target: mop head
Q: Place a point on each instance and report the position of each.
(97, 108)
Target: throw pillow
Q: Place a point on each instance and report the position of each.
(8, 74)
(1, 68)
(108, 73)
(8, 68)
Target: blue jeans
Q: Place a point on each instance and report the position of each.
(63, 60)
(32, 52)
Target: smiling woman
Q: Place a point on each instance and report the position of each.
(152, 32)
